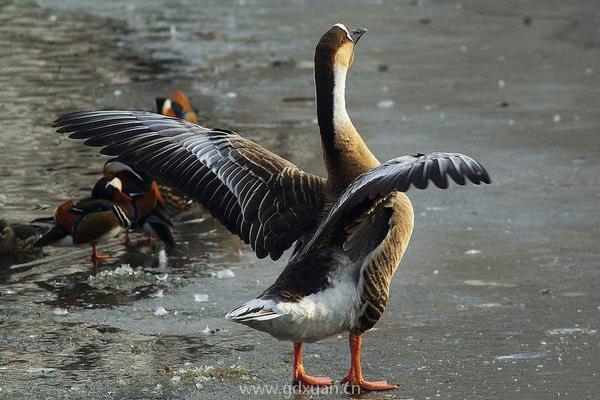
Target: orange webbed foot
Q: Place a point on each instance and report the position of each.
(369, 386)
(355, 379)
(97, 256)
(302, 379)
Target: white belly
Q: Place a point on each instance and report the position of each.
(315, 317)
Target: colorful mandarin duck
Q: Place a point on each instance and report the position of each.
(148, 205)
(178, 106)
(92, 220)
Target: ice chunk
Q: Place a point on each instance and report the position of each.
(162, 258)
(478, 282)
(568, 331)
(200, 298)
(525, 356)
(162, 278)
(160, 311)
(43, 370)
(124, 269)
(60, 311)
(226, 273)
(472, 252)
(386, 103)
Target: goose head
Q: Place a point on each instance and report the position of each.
(336, 47)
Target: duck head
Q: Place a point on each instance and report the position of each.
(6, 235)
(110, 188)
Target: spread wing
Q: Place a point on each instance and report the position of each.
(266, 200)
(397, 174)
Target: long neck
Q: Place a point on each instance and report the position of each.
(331, 103)
(346, 155)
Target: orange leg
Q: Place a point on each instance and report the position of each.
(96, 256)
(355, 377)
(300, 377)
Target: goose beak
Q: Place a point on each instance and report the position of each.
(356, 33)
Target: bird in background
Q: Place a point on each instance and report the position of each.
(92, 220)
(349, 229)
(178, 106)
(149, 211)
(18, 239)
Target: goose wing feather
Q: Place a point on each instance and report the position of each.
(263, 198)
(397, 174)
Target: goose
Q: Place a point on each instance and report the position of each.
(350, 228)
(91, 220)
(148, 204)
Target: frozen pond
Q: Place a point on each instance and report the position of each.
(498, 295)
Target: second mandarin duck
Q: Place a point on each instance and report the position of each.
(178, 105)
(149, 207)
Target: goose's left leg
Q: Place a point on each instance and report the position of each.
(355, 377)
(300, 377)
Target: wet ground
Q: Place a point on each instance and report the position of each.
(498, 295)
